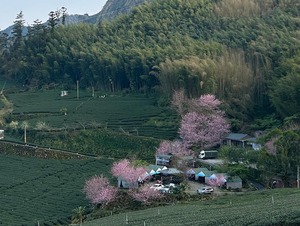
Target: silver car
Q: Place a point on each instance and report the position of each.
(205, 190)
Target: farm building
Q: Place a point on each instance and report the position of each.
(217, 179)
(124, 184)
(236, 139)
(253, 142)
(171, 175)
(186, 161)
(163, 160)
(241, 140)
(234, 183)
(170, 171)
(155, 169)
(201, 175)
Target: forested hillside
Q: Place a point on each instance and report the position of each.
(247, 53)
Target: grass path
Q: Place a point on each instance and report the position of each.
(7, 109)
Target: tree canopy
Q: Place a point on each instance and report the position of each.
(244, 52)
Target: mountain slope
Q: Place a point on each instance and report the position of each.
(113, 8)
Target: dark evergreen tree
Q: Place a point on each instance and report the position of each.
(53, 19)
(64, 15)
(17, 32)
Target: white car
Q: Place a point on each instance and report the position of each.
(165, 189)
(157, 186)
(205, 190)
(168, 188)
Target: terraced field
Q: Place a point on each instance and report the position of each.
(40, 190)
(137, 115)
(273, 207)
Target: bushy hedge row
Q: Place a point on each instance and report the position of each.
(101, 143)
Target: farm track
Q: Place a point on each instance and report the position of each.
(8, 108)
(47, 149)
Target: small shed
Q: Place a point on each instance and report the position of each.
(236, 139)
(1, 134)
(253, 143)
(199, 174)
(171, 171)
(217, 179)
(163, 160)
(154, 169)
(124, 184)
(234, 183)
(171, 175)
(186, 161)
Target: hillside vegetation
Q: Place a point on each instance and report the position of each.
(248, 58)
(273, 207)
(245, 52)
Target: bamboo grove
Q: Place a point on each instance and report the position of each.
(246, 52)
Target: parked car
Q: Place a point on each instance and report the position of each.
(169, 188)
(205, 190)
(157, 186)
(165, 189)
(172, 185)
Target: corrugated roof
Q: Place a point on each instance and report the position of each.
(198, 170)
(164, 156)
(252, 139)
(171, 171)
(237, 136)
(234, 179)
(153, 167)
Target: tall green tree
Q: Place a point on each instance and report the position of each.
(281, 155)
(287, 90)
(64, 15)
(17, 32)
(53, 19)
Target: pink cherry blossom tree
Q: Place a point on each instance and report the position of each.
(127, 171)
(206, 102)
(118, 168)
(203, 130)
(205, 125)
(145, 194)
(217, 181)
(176, 148)
(99, 191)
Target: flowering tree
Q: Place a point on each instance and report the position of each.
(99, 191)
(145, 194)
(176, 148)
(217, 181)
(118, 168)
(127, 171)
(203, 130)
(205, 125)
(206, 102)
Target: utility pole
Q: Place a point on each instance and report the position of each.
(298, 177)
(77, 90)
(25, 138)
